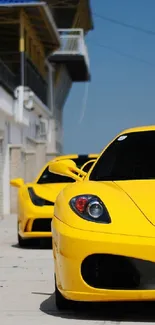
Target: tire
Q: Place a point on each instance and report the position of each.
(23, 242)
(61, 302)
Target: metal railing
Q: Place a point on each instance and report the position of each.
(7, 77)
(35, 81)
(72, 42)
(32, 79)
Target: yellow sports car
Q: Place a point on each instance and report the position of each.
(104, 224)
(36, 199)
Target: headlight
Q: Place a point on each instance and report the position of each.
(95, 209)
(91, 208)
(37, 200)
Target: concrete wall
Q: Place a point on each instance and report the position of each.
(21, 154)
(15, 162)
(1, 176)
(6, 180)
(50, 156)
(39, 159)
(19, 133)
(26, 164)
(29, 163)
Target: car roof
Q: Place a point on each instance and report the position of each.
(74, 156)
(138, 129)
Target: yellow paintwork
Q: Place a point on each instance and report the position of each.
(131, 233)
(27, 211)
(17, 182)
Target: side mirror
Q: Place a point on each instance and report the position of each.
(66, 167)
(17, 182)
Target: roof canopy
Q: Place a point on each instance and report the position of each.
(64, 12)
(40, 18)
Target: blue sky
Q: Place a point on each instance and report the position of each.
(121, 93)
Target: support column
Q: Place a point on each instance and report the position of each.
(16, 171)
(22, 49)
(19, 103)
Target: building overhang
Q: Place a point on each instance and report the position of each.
(75, 64)
(40, 17)
(73, 54)
(90, 16)
(65, 10)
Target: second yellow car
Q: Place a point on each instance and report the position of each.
(36, 199)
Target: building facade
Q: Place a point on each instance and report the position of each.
(42, 52)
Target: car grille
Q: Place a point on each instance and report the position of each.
(105, 271)
(42, 225)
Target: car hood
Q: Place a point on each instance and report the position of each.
(48, 191)
(142, 193)
(130, 205)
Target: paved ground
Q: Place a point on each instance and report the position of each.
(27, 290)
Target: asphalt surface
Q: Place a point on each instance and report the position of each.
(27, 290)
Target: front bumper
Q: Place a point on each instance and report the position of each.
(36, 224)
(35, 234)
(71, 246)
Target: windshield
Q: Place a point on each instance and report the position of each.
(130, 156)
(47, 177)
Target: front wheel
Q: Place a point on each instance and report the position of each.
(23, 242)
(61, 302)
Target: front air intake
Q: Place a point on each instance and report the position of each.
(105, 271)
